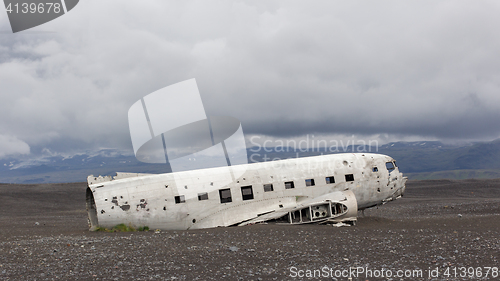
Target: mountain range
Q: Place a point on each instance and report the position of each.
(418, 160)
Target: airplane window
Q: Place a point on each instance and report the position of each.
(349, 177)
(202, 196)
(389, 166)
(395, 164)
(289, 185)
(180, 199)
(225, 195)
(310, 182)
(268, 187)
(375, 169)
(246, 192)
(330, 180)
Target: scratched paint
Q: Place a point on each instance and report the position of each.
(370, 185)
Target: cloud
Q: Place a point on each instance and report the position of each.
(284, 68)
(11, 146)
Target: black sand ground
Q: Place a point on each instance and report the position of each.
(449, 228)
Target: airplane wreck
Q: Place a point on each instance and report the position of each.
(318, 189)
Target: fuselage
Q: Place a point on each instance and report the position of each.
(227, 196)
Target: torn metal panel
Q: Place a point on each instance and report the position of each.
(320, 189)
(338, 206)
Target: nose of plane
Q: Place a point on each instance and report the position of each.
(403, 185)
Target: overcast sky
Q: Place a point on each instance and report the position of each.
(389, 70)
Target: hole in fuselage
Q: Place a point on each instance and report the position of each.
(91, 209)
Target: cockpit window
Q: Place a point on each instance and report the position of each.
(390, 166)
(395, 164)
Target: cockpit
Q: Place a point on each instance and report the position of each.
(391, 166)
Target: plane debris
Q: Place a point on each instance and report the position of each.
(319, 189)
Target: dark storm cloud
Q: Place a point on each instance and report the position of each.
(284, 68)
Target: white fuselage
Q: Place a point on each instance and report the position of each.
(227, 196)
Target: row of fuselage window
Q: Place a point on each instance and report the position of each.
(247, 191)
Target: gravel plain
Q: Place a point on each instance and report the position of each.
(436, 231)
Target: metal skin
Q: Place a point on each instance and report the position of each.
(178, 201)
